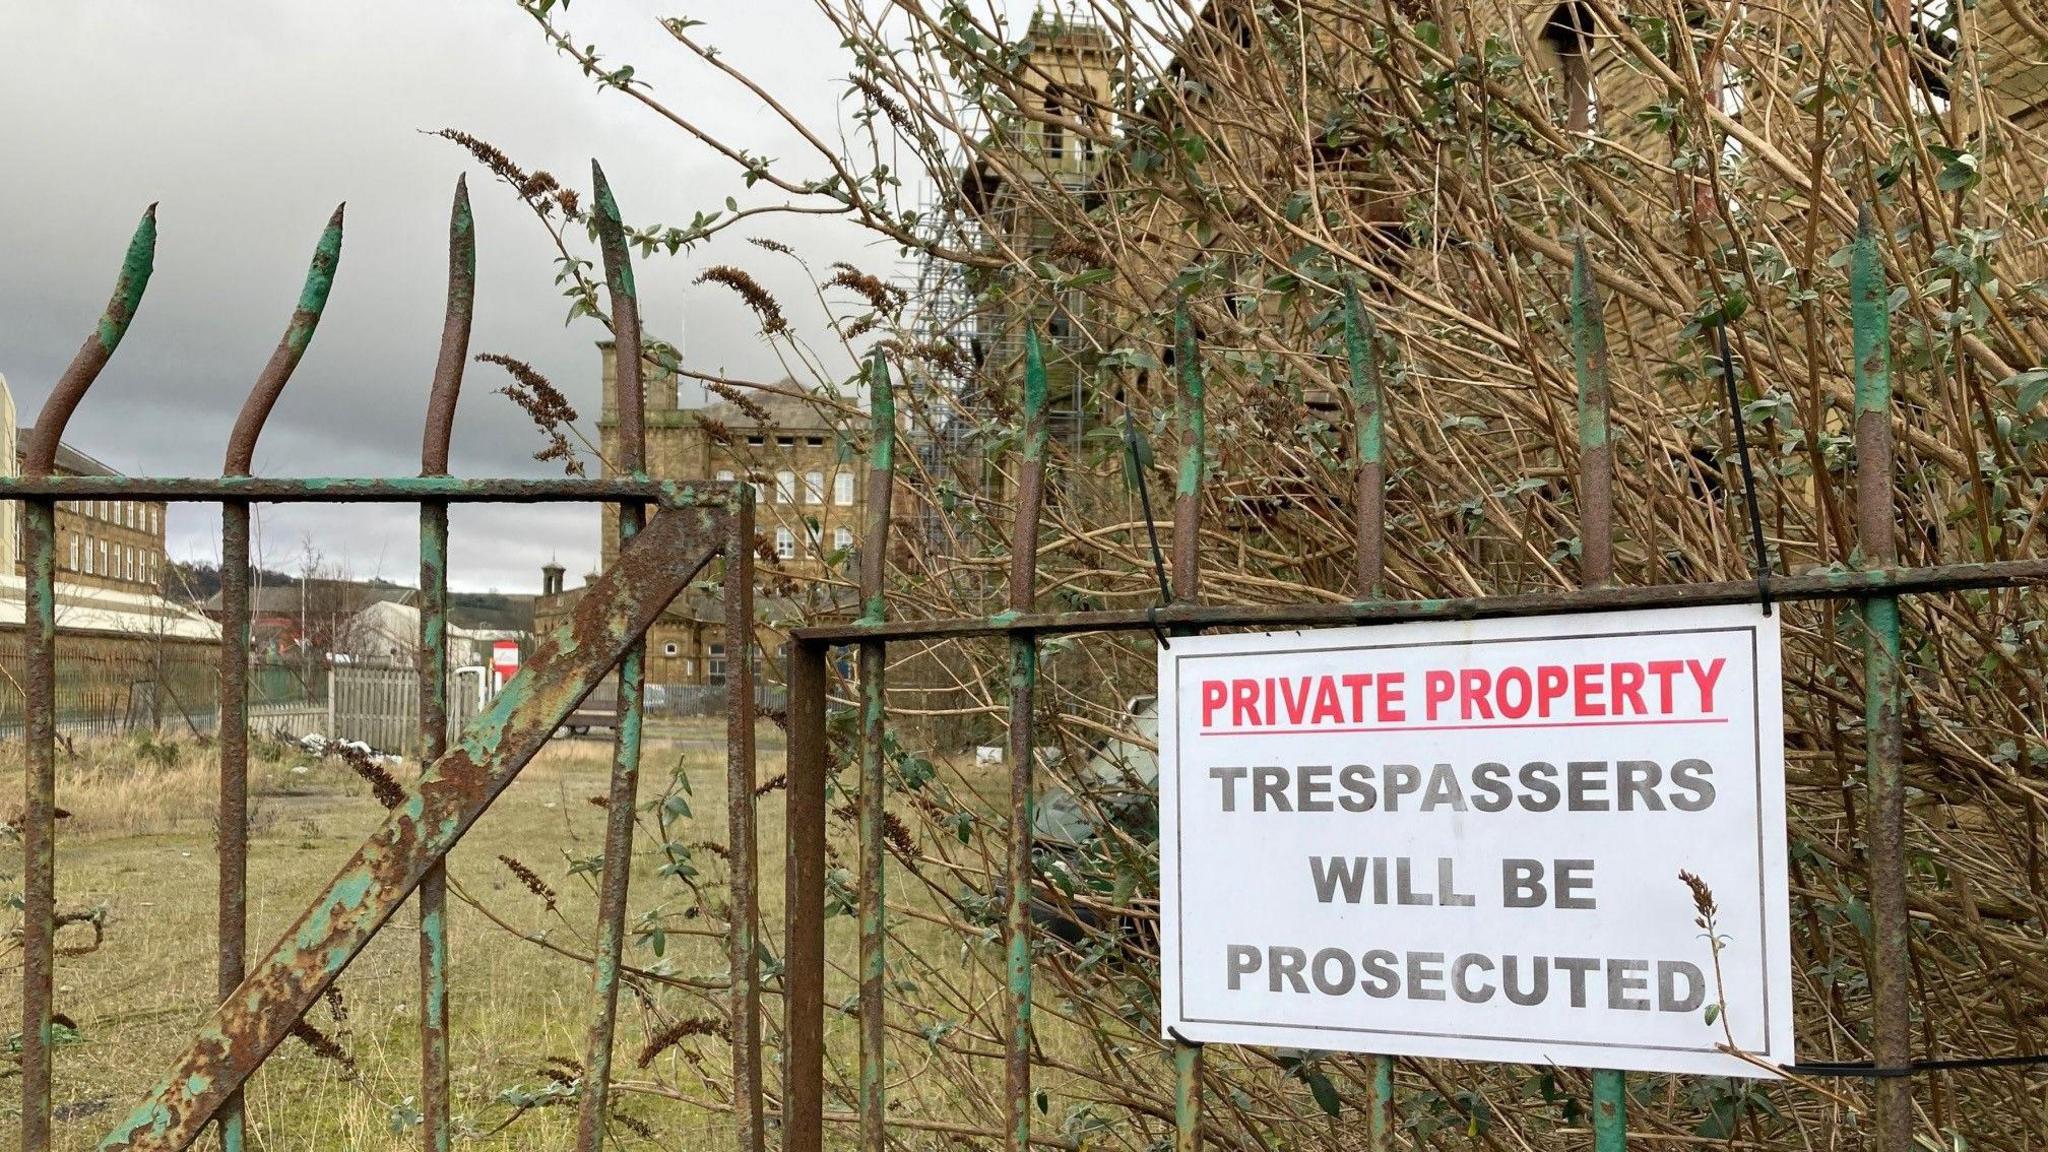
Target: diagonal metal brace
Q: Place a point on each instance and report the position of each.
(568, 662)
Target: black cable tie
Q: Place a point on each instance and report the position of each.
(1760, 555)
(1145, 504)
(1152, 619)
(1180, 1039)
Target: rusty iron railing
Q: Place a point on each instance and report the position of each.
(692, 525)
(1876, 584)
(696, 523)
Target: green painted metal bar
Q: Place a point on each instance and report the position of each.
(1190, 417)
(1610, 1111)
(39, 809)
(623, 795)
(1361, 355)
(435, 1121)
(233, 737)
(1596, 398)
(366, 490)
(1596, 556)
(1362, 359)
(1885, 839)
(874, 660)
(612, 615)
(1023, 695)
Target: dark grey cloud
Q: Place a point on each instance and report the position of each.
(249, 121)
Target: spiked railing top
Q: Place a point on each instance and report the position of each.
(440, 426)
(297, 335)
(618, 277)
(40, 453)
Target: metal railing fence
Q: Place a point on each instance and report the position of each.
(1876, 583)
(693, 525)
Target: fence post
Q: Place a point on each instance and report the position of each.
(874, 561)
(1361, 358)
(1023, 689)
(1876, 522)
(1596, 562)
(433, 660)
(625, 780)
(1187, 580)
(745, 954)
(234, 647)
(803, 1028)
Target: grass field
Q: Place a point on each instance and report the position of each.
(139, 844)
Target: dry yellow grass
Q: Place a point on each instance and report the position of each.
(138, 843)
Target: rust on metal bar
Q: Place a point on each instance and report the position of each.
(232, 823)
(370, 490)
(39, 807)
(39, 453)
(744, 944)
(623, 795)
(874, 660)
(1362, 359)
(1843, 584)
(1891, 972)
(39, 825)
(1023, 694)
(433, 736)
(439, 428)
(1187, 588)
(297, 335)
(803, 978)
(567, 663)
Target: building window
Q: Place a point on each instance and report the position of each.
(104, 570)
(669, 649)
(760, 491)
(1055, 132)
(714, 664)
(814, 441)
(127, 563)
(785, 441)
(156, 518)
(785, 487)
(785, 544)
(724, 475)
(74, 554)
(755, 441)
(1569, 32)
(842, 538)
(842, 489)
(128, 512)
(814, 487)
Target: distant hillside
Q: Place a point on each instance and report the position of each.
(196, 583)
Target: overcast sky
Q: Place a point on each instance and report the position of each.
(249, 121)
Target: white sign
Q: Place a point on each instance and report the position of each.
(1464, 840)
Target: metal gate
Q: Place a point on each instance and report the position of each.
(690, 527)
(696, 524)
